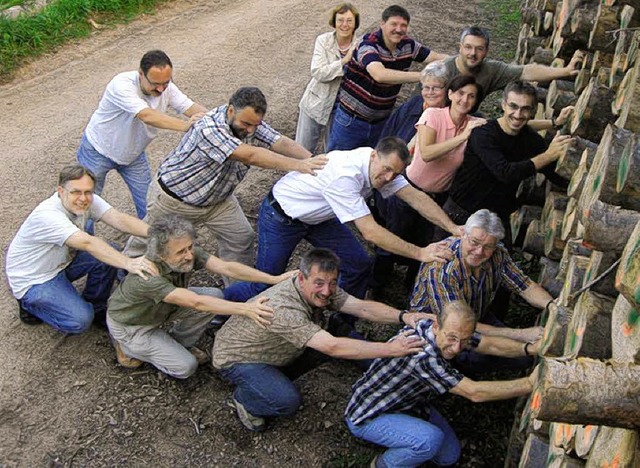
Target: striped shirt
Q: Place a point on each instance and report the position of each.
(360, 94)
(399, 384)
(199, 171)
(439, 283)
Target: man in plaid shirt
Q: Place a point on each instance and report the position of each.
(479, 266)
(197, 179)
(390, 403)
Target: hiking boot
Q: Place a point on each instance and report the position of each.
(248, 420)
(123, 359)
(28, 318)
(200, 355)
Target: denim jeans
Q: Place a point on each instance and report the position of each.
(349, 132)
(264, 390)
(136, 175)
(279, 236)
(410, 440)
(57, 302)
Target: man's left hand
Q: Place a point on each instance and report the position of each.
(407, 343)
(436, 252)
(140, 266)
(576, 60)
(532, 334)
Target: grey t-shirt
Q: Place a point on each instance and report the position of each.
(492, 75)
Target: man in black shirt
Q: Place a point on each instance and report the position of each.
(500, 155)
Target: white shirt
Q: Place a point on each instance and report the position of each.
(38, 252)
(114, 131)
(338, 190)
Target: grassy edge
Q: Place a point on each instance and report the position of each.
(31, 35)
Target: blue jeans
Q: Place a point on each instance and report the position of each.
(411, 441)
(57, 302)
(136, 175)
(349, 132)
(264, 390)
(279, 236)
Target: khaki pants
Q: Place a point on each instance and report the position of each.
(166, 350)
(233, 232)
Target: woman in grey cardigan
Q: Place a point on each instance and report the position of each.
(331, 53)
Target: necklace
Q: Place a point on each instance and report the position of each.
(345, 49)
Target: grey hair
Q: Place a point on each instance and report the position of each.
(162, 231)
(435, 70)
(487, 221)
(460, 308)
(477, 32)
(325, 259)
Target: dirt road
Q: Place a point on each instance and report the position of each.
(63, 400)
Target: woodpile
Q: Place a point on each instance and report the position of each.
(585, 408)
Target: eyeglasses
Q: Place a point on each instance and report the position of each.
(515, 107)
(432, 89)
(345, 21)
(155, 84)
(452, 339)
(476, 244)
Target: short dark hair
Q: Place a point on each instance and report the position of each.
(460, 81)
(154, 58)
(249, 96)
(324, 259)
(520, 87)
(396, 10)
(343, 8)
(392, 144)
(74, 172)
(162, 230)
(476, 31)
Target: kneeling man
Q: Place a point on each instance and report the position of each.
(253, 357)
(390, 404)
(138, 309)
(52, 249)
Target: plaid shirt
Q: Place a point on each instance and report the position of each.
(199, 170)
(399, 384)
(439, 283)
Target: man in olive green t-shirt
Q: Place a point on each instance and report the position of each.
(138, 309)
(253, 357)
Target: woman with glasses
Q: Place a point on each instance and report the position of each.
(331, 53)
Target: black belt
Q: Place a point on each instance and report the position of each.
(166, 190)
(271, 200)
(355, 116)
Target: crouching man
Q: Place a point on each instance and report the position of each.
(52, 249)
(390, 404)
(138, 309)
(254, 357)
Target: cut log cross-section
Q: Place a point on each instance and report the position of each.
(587, 391)
(560, 95)
(553, 243)
(628, 175)
(626, 104)
(570, 221)
(555, 331)
(628, 274)
(573, 247)
(607, 19)
(592, 111)
(584, 439)
(558, 458)
(534, 453)
(599, 262)
(554, 201)
(582, 22)
(615, 448)
(547, 278)
(573, 280)
(534, 240)
(519, 221)
(625, 332)
(589, 332)
(576, 184)
(570, 159)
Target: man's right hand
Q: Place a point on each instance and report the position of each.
(558, 146)
(259, 312)
(436, 252)
(140, 266)
(407, 343)
(312, 165)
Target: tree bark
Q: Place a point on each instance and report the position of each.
(555, 331)
(542, 55)
(573, 247)
(534, 240)
(607, 227)
(553, 244)
(599, 262)
(592, 112)
(520, 220)
(554, 201)
(547, 277)
(589, 331)
(625, 331)
(607, 19)
(573, 280)
(570, 221)
(535, 452)
(582, 22)
(570, 159)
(587, 391)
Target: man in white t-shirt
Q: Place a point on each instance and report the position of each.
(52, 249)
(301, 206)
(128, 117)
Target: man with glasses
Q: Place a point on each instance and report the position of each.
(391, 404)
(480, 264)
(500, 155)
(494, 75)
(128, 117)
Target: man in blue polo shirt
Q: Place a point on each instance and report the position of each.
(373, 80)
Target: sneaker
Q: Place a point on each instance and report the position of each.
(251, 422)
(200, 355)
(123, 359)
(28, 318)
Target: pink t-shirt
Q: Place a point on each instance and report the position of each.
(436, 176)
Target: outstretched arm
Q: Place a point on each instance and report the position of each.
(243, 272)
(488, 391)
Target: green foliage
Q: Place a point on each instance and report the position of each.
(506, 14)
(33, 34)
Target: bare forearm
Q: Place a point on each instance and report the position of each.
(287, 147)
(243, 272)
(347, 348)
(160, 120)
(388, 76)
(537, 296)
(105, 253)
(392, 243)
(427, 208)
(501, 346)
(376, 312)
(126, 223)
(501, 390)
(536, 72)
(436, 151)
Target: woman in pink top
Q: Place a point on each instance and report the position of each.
(442, 137)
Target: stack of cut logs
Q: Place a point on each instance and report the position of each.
(585, 410)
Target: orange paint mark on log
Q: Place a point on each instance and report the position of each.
(580, 331)
(588, 430)
(627, 329)
(567, 431)
(535, 401)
